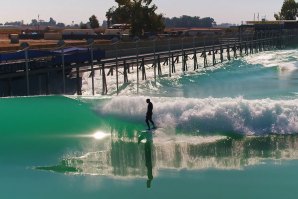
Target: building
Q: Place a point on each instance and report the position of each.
(273, 25)
(193, 31)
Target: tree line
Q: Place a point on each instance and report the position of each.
(289, 11)
(142, 16)
(189, 22)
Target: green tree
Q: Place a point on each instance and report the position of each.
(52, 22)
(83, 25)
(93, 22)
(140, 14)
(288, 11)
(189, 22)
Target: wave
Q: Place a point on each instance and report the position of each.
(210, 115)
(284, 60)
(267, 74)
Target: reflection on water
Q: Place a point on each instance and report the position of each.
(148, 160)
(131, 159)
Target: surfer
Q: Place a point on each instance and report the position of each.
(149, 114)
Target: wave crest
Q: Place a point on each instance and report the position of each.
(238, 115)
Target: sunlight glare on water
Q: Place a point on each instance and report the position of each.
(99, 135)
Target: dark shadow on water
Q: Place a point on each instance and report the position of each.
(148, 159)
(148, 138)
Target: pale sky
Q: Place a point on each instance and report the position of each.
(66, 11)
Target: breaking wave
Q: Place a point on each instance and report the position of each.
(210, 115)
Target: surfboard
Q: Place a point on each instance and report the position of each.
(146, 135)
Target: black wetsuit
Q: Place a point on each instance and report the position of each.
(149, 114)
(149, 111)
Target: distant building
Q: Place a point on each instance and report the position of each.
(224, 25)
(193, 31)
(6, 30)
(273, 25)
(78, 32)
(118, 29)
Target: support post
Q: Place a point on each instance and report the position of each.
(195, 58)
(221, 54)
(27, 72)
(154, 62)
(125, 71)
(173, 64)
(10, 87)
(159, 71)
(25, 47)
(228, 52)
(138, 80)
(143, 69)
(169, 56)
(213, 56)
(61, 45)
(47, 83)
(104, 81)
(79, 91)
(92, 69)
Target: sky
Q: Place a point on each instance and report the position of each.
(66, 11)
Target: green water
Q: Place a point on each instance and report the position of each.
(44, 132)
(227, 133)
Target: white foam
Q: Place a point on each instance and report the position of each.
(250, 117)
(285, 60)
(130, 88)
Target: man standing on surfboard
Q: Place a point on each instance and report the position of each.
(149, 114)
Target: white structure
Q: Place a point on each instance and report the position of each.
(78, 32)
(118, 29)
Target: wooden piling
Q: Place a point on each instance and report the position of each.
(195, 60)
(27, 72)
(47, 77)
(117, 77)
(183, 61)
(39, 85)
(204, 55)
(235, 51)
(228, 52)
(92, 72)
(221, 53)
(138, 76)
(173, 64)
(79, 91)
(63, 71)
(9, 83)
(159, 71)
(213, 56)
(104, 81)
(143, 69)
(125, 68)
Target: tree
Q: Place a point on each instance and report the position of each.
(61, 25)
(288, 11)
(34, 22)
(140, 14)
(93, 22)
(83, 25)
(189, 22)
(52, 22)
